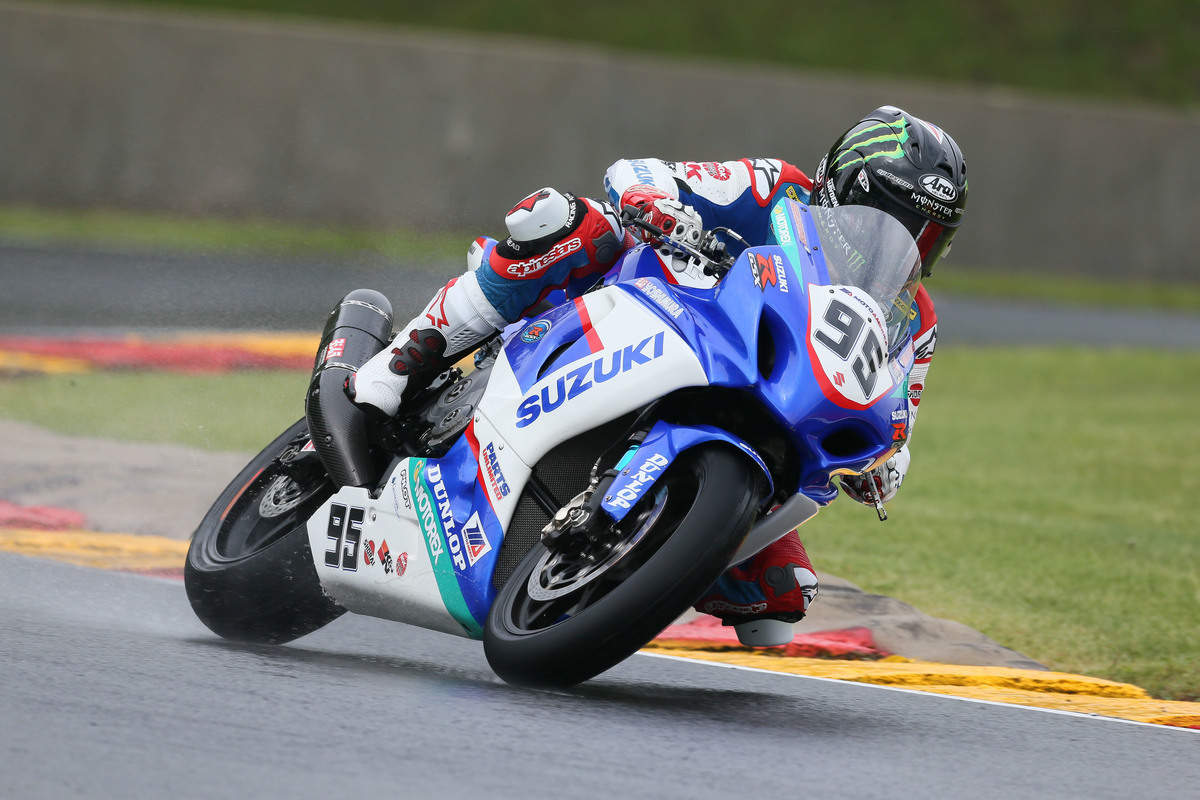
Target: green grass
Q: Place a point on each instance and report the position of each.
(239, 411)
(1070, 290)
(1141, 50)
(115, 228)
(1050, 505)
(1050, 502)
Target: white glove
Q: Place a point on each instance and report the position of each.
(678, 221)
(887, 479)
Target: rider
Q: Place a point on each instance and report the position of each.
(890, 160)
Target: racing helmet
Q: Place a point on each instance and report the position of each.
(904, 166)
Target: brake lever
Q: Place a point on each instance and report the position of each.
(872, 494)
(635, 216)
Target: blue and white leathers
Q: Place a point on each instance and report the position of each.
(810, 355)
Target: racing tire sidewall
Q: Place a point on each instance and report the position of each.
(271, 595)
(639, 608)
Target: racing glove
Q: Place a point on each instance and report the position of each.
(662, 211)
(884, 481)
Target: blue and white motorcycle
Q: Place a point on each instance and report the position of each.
(600, 467)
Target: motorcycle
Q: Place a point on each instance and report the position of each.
(600, 467)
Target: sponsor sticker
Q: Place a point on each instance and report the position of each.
(400, 495)
(783, 231)
(769, 270)
(335, 349)
(535, 331)
(433, 474)
(581, 379)
(660, 297)
(897, 180)
(718, 606)
(475, 539)
(385, 557)
(717, 170)
(940, 187)
(931, 206)
(639, 479)
(523, 269)
(495, 476)
(426, 514)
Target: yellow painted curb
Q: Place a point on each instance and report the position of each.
(124, 551)
(275, 344)
(50, 365)
(1054, 690)
(279, 345)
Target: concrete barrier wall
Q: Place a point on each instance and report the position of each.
(341, 124)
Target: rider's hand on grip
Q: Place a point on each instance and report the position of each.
(883, 482)
(659, 209)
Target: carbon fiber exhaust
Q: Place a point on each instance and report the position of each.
(357, 328)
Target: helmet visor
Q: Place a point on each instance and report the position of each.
(932, 238)
(868, 248)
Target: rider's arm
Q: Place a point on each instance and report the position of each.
(578, 244)
(734, 194)
(924, 342)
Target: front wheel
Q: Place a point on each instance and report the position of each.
(249, 573)
(565, 616)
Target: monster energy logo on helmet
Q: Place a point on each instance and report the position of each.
(904, 166)
(870, 141)
(912, 163)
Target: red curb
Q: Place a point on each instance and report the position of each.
(173, 574)
(133, 353)
(46, 518)
(847, 643)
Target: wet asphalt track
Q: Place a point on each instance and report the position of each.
(113, 689)
(109, 686)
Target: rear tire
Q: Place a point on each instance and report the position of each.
(249, 573)
(573, 620)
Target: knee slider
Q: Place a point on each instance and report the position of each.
(544, 213)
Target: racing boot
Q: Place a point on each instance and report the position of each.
(765, 595)
(457, 319)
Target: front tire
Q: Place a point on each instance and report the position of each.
(560, 620)
(249, 573)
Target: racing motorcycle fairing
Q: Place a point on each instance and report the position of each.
(662, 445)
(424, 549)
(582, 364)
(378, 560)
(813, 355)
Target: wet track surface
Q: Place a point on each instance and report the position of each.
(112, 688)
(57, 288)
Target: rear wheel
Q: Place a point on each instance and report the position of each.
(568, 614)
(249, 573)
